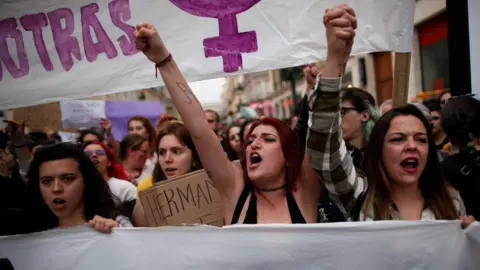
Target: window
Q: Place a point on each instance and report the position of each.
(434, 53)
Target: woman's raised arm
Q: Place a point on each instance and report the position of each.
(208, 145)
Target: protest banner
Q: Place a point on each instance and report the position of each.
(52, 50)
(119, 112)
(189, 199)
(392, 245)
(82, 113)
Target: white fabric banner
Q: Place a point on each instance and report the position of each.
(68, 49)
(382, 245)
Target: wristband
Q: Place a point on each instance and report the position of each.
(162, 63)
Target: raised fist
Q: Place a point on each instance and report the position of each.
(340, 24)
(148, 41)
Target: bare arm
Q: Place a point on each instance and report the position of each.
(138, 215)
(206, 141)
(107, 127)
(16, 132)
(208, 146)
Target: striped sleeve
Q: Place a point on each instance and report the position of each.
(326, 149)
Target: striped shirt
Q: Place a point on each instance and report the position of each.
(328, 154)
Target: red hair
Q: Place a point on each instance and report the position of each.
(115, 169)
(290, 148)
(165, 118)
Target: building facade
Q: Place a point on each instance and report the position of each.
(429, 61)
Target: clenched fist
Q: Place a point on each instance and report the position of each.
(340, 24)
(148, 41)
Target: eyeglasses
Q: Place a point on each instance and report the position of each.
(98, 152)
(345, 110)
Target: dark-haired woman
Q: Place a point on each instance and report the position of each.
(460, 120)
(271, 186)
(402, 179)
(67, 190)
(176, 156)
(134, 152)
(90, 135)
(233, 145)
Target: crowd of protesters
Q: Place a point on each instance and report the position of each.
(342, 159)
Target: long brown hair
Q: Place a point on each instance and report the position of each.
(182, 134)
(150, 129)
(433, 187)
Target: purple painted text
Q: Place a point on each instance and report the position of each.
(66, 44)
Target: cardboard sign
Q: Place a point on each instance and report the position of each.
(189, 199)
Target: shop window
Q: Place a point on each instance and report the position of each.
(434, 53)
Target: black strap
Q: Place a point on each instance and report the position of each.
(251, 215)
(295, 214)
(240, 203)
(357, 208)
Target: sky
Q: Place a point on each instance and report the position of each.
(208, 91)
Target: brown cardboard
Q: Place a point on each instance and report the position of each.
(40, 116)
(188, 199)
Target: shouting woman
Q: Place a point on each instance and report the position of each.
(271, 186)
(67, 190)
(402, 179)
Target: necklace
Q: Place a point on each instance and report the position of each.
(272, 189)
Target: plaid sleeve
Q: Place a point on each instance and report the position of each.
(326, 149)
(123, 221)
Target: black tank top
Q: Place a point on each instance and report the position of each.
(251, 215)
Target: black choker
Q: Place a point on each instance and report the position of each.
(272, 189)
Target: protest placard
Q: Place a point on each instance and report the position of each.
(188, 199)
(82, 113)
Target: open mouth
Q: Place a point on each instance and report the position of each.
(255, 158)
(170, 170)
(410, 163)
(59, 203)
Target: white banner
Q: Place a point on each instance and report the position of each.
(367, 245)
(58, 49)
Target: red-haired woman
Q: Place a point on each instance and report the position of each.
(274, 185)
(112, 171)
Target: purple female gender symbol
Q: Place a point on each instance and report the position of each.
(229, 44)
